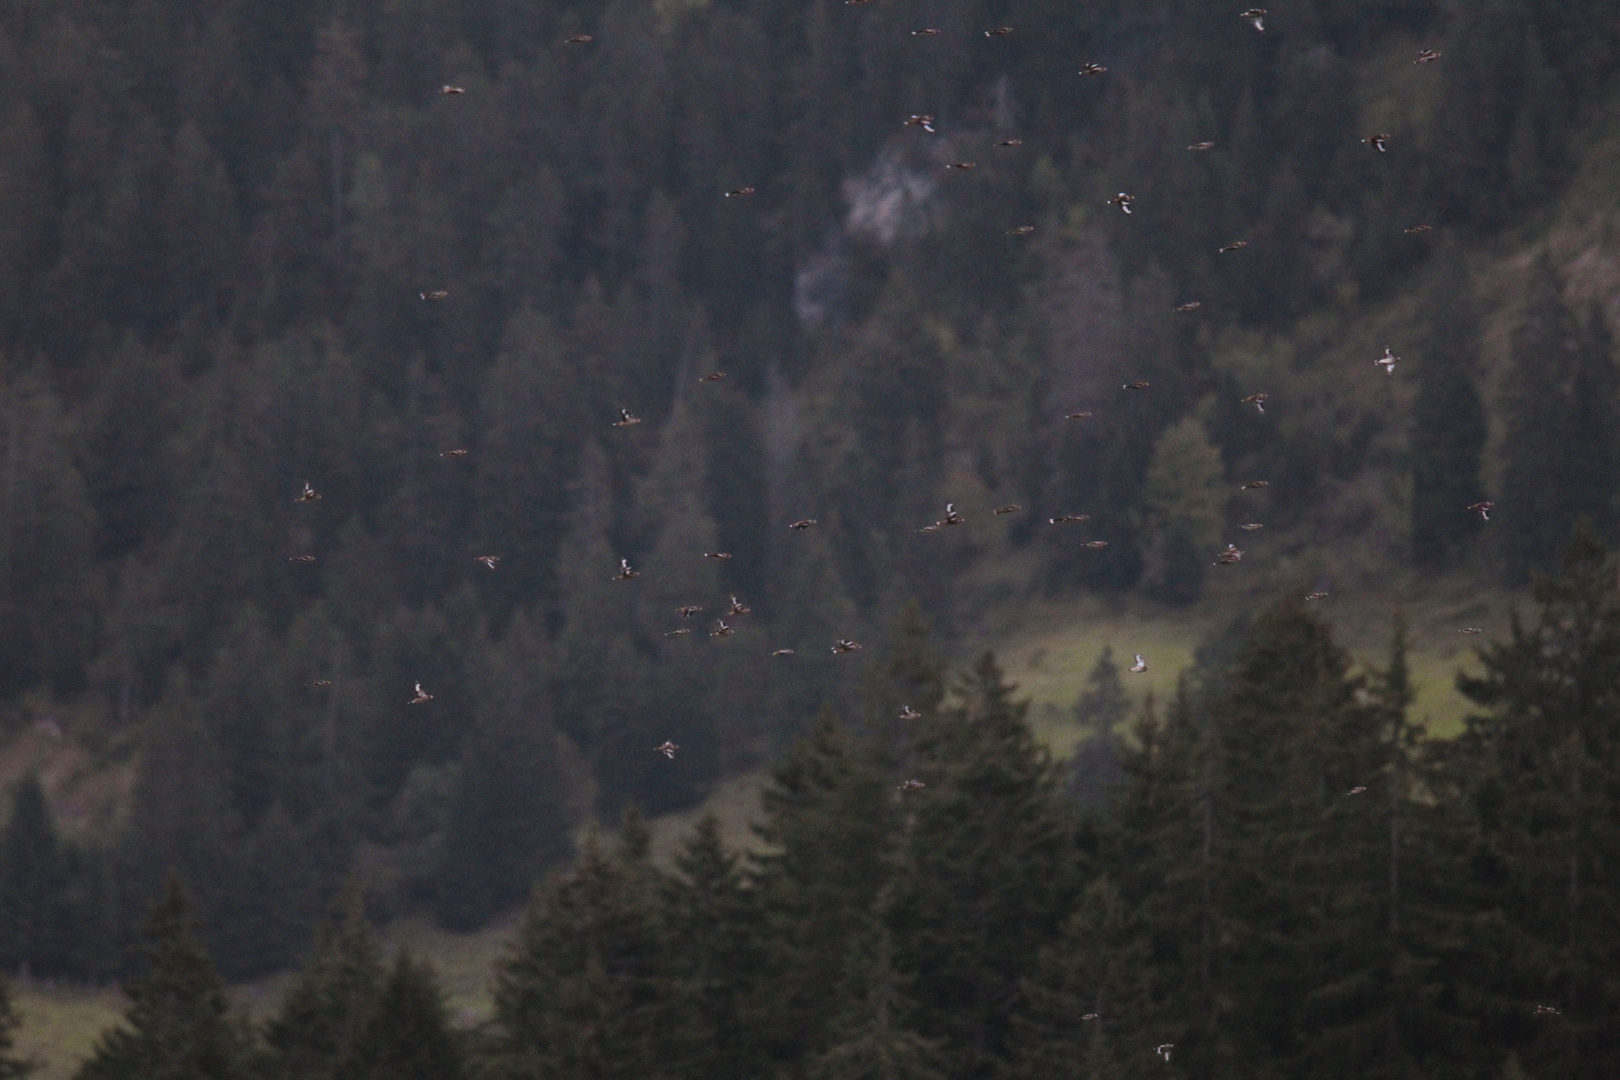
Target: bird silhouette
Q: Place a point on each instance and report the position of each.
(435, 294)
(802, 524)
(626, 419)
(1236, 245)
(308, 495)
(422, 696)
(1253, 526)
(1230, 556)
(1483, 509)
(740, 193)
(1093, 69)
(1138, 667)
(1200, 147)
(1256, 16)
(1123, 200)
(1388, 360)
(1426, 56)
(1257, 400)
(302, 558)
(667, 748)
(625, 572)
(1379, 142)
(1255, 485)
(488, 560)
(845, 645)
(449, 90)
(912, 785)
(922, 120)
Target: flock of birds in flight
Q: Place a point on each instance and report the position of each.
(1124, 202)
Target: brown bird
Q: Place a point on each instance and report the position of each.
(448, 90)
(783, 652)
(1316, 596)
(1426, 56)
(1200, 147)
(1236, 245)
(488, 560)
(1138, 667)
(422, 696)
(308, 495)
(457, 452)
(1069, 519)
(1230, 556)
(999, 31)
(1254, 15)
(1483, 509)
(667, 749)
(913, 785)
(1388, 360)
(323, 683)
(1191, 305)
(741, 192)
(951, 516)
(688, 610)
(926, 32)
(1418, 230)
(1123, 200)
(1010, 508)
(721, 629)
(1141, 385)
(1257, 400)
(626, 419)
(1379, 142)
(678, 633)
(908, 713)
(1011, 142)
(963, 166)
(1022, 230)
(625, 573)
(1253, 526)
(1093, 69)
(713, 376)
(1471, 630)
(922, 120)
(802, 524)
(302, 558)
(436, 294)
(1078, 416)
(580, 39)
(1357, 790)
(721, 555)
(1096, 545)
(845, 645)
(738, 607)
(1255, 485)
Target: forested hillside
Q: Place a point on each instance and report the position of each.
(306, 306)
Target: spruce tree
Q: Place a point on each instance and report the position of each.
(331, 1000)
(1184, 504)
(871, 1038)
(34, 876)
(408, 1034)
(178, 1025)
(989, 869)
(1103, 706)
(11, 1068)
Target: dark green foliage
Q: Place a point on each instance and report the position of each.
(35, 919)
(407, 1034)
(177, 1026)
(331, 1002)
(11, 1068)
(1102, 708)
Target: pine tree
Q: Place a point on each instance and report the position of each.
(1448, 421)
(34, 921)
(11, 1068)
(331, 1000)
(177, 1026)
(872, 1038)
(408, 1034)
(1103, 706)
(990, 869)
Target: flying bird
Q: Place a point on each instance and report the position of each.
(667, 749)
(302, 558)
(1426, 56)
(1191, 305)
(1011, 142)
(1163, 1049)
(1379, 142)
(1096, 545)
(1069, 519)
(309, 494)
(1483, 509)
(999, 31)
(1546, 1010)
(963, 166)
(1138, 667)
(1471, 630)
(1236, 245)
(1255, 485)
(930, 529)
(721, 629)
(625, 573)
(1257, 400)
(741, 192)
(1229, 557)
(688, 610)
(713, 376)
(422, 696)
(488, 560)
(845, 645)
(1141, 385)
(922, 120)
(1200, 147)
(802, 524)
(1418, 230)
(322, 682)
(1093, 69)
(738, 607)
(1022, 230)
(926, 32)
(457, 452)
(951, 516)
(1253, 526)
(448, 90)
(1388, 360)
(1010, 508)
(908, 713)
(913, 785)
(1316, 596)
(580, 39)
(783, 652)
(1090, 1016)
(1255, 15)
(1357, 790)
(1078, 416)
(1123, 200)
(678, 633)
(721, 555)
(436, 294)
(626, 419)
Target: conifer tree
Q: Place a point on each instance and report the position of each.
(408, 1034)
(11, 1068)
(989, 869)
(177, 1026)
(872, 1038)
(1102, 707)
(34, 920)
(1183, 500)
(331, 1000)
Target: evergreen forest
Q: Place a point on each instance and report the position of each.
(439, 437)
